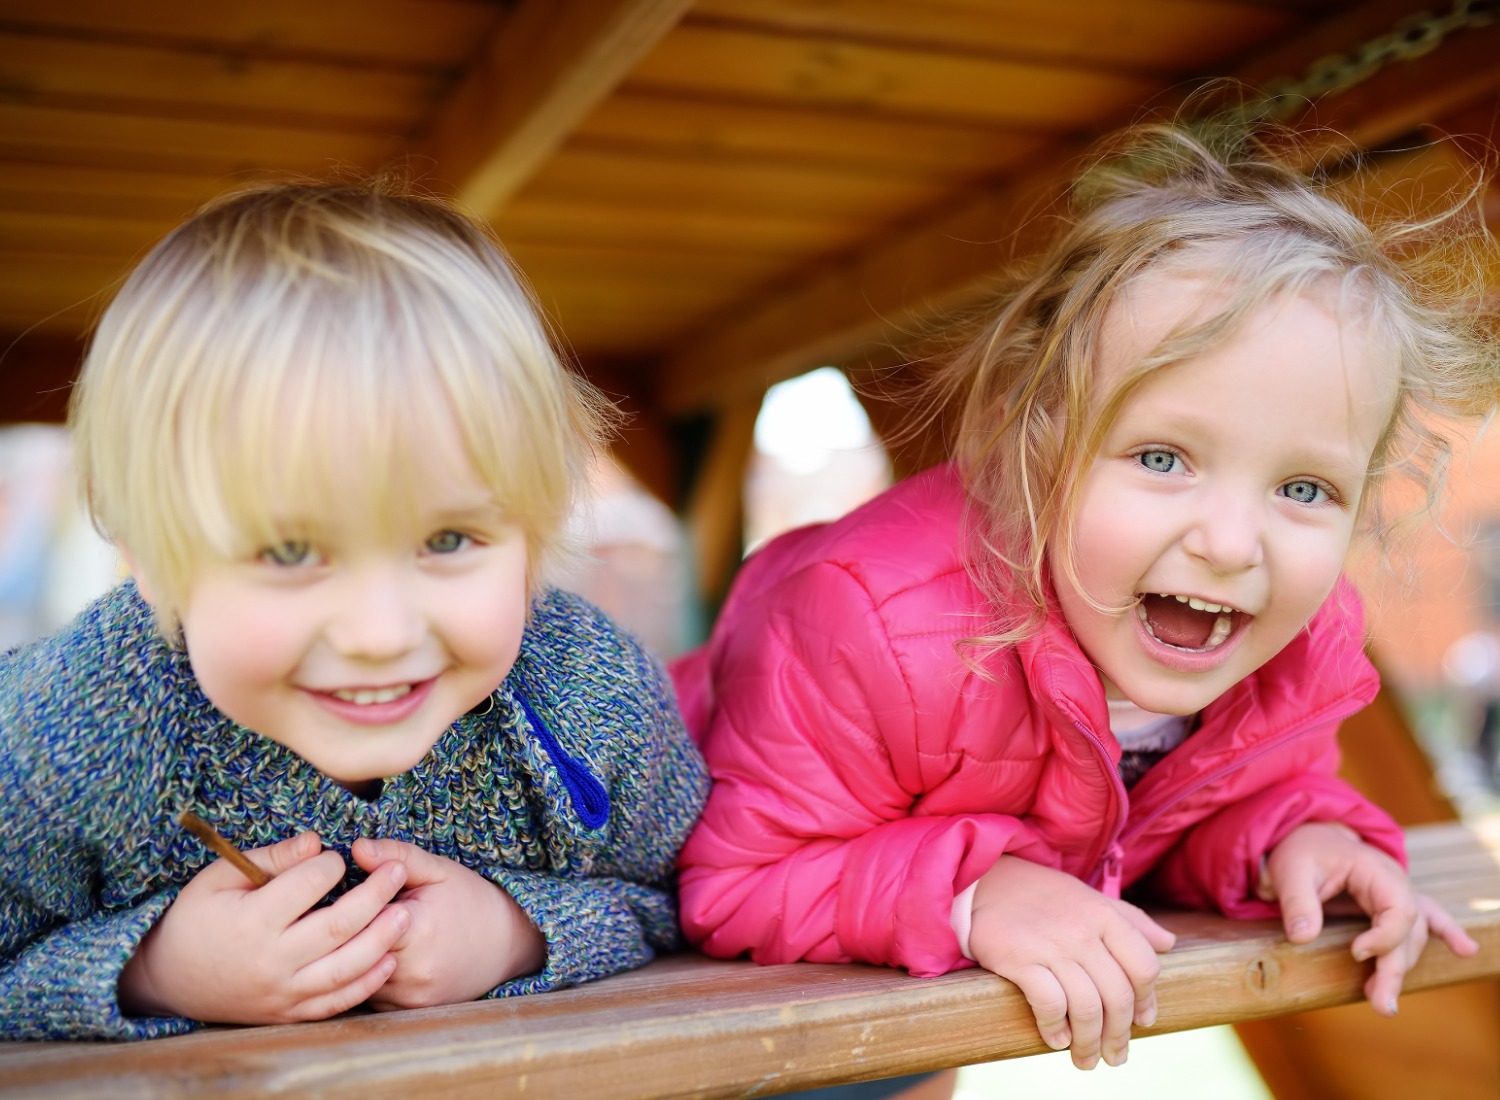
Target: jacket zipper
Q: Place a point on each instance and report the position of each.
(1109, 863)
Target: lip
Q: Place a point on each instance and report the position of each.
(374, 714)
(1187, 660)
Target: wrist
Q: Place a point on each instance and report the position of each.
(526, 945)
(135, 990)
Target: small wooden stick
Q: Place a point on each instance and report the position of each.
(212, 840)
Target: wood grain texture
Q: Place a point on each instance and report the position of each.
(689, 1026)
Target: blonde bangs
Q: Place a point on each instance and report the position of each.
(306, 352)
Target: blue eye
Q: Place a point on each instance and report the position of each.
(291, 552)
(447, 542)
(1161, 462)
(1305, 492)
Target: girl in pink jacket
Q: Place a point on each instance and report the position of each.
(1108, 645)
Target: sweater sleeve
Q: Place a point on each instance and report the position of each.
(1217, 863)
(813, 845)
(632, 779)
(60, 981)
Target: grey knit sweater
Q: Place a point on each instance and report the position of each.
(573, 794)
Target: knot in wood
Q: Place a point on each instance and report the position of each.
(1263, 975)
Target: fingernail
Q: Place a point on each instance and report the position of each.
(1298, 925)
(1391, 1006)
(1148, 1018)
(1361, 954)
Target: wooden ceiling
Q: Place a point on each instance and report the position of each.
(708, 195)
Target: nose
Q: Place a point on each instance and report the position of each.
(1227, 531)
(378, 616)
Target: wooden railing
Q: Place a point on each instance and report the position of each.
(695, 1027)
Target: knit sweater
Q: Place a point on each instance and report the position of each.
(573, 794)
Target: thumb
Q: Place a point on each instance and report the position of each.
(1160, 939)
(422, 866)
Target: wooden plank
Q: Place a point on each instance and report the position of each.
(688, 183)
(104, 140)
(945, 263)
(427, 33)
(549, 219)
(545, 68)
(706, 60)
(1138, 37)
(76, 72)
(78, 234)
(688, 1026)
(733, 131)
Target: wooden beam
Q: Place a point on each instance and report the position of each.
(695, 1027)
(716, 503)
(925, 271)
(546, 67)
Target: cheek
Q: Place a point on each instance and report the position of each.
(238, 654)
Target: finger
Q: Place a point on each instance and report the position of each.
(1393, 914)
(1118, 998)
(1085, 1012)
(323, 1005)
(1384, 987)
(325, 930)
(422, 866)
(286, 854)
(1137, 958)
(350, 964)
(292, 893)
(1444, 927)
(1301, 905)
(1048, 1004)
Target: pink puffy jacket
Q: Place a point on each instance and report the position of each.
(864, 775)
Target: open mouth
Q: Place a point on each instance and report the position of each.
(1187, 622)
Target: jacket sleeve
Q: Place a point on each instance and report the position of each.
(614, 909)
(813, 844)
(1217, 864)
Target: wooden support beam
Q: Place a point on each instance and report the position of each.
(694, 1027)
(716, 504)
(944, 263)
(544, 70)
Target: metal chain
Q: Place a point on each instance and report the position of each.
(1413, 36)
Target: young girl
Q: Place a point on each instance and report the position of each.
(1108, 646)
(331, 439)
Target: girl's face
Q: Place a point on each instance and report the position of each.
(356, 643)
(1220, 508)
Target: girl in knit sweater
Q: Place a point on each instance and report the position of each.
(329, 435)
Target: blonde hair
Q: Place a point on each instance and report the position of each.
(1217, 202)
(285, 328)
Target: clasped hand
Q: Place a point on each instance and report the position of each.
(420, 930)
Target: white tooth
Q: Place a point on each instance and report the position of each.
(1181, 599)
(366, 696)
(1219, 633)
(1141, 611)
(1196, 604)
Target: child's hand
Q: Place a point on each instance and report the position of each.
(227, 952)
(466, 935)
(1086, 963)
(1320, 860)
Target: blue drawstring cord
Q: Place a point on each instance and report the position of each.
(590, 799)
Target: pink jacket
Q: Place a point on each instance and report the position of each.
(864, 775)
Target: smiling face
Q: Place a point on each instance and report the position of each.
(356, 640)
(1218, 513)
